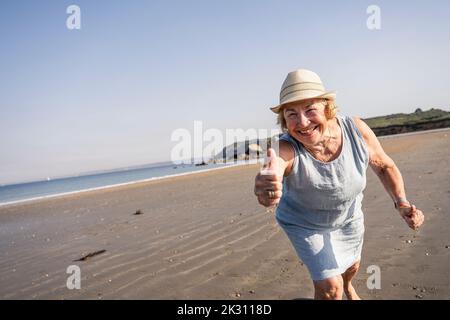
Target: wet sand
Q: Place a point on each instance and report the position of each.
(204, 236)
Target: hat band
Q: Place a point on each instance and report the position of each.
(301, 87)
(310, 94)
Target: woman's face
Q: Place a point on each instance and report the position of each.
(306, 120)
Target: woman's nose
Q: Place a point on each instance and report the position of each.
(303, 121)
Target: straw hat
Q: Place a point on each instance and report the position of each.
(300, 85)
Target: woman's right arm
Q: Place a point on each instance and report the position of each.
(270, 178)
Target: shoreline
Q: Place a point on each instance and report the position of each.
(118, 185)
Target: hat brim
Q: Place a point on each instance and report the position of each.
(326, 95)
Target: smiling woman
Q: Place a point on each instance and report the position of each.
(330, 110)
(318, 179)
(310, 120)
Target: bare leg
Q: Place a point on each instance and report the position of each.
(329, 289)
(347, 276)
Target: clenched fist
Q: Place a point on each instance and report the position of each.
(413, 216)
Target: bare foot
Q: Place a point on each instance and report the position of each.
(351, 293)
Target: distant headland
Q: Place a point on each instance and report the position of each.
(408, 122)
(396, 123)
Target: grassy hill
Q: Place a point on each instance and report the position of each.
(407, 118)
(408, 122)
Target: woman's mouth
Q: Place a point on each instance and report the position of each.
(308, 132)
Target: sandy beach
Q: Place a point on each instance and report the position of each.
(204, 236)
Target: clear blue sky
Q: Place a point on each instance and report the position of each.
(110, 95)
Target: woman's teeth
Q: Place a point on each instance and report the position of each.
(307, 132)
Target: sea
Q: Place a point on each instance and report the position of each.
(23, 192)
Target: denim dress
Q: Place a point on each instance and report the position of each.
(320, 209)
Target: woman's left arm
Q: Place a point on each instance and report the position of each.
(390, 176)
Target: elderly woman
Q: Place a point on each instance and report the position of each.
(317, 180)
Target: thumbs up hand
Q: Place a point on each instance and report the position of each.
(268, 182)
(271, 163)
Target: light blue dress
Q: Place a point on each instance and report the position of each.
(320, 209)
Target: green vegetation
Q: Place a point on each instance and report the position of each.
(418, 116)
